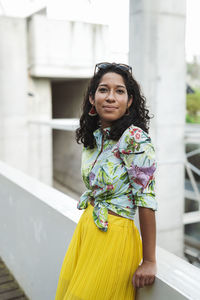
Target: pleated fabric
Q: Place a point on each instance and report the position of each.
(100, 265)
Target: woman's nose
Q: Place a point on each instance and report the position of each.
(110, 97)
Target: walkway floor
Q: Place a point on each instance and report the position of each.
(9, 288)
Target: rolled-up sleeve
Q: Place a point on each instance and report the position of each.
(138, 155)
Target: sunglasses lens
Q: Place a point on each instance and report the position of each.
(106, 65)
(103, 65)
(123, 68)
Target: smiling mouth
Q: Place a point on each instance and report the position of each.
(109, 107)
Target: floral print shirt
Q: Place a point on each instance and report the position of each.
(119, 176)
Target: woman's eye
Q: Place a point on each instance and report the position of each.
(103, 90)
(120, 91)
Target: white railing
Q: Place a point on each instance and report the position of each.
(192, 192)
(194, 138)
(37, 223)
(61, 124)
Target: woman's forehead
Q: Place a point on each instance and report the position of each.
(112, 78)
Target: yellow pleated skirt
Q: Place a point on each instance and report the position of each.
(100, 265)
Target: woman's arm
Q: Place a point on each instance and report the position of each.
(145, 273)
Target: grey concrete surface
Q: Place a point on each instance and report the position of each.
(157, 55)
(37, 223)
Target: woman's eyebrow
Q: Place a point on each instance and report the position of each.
(123, 86)
(104, 84)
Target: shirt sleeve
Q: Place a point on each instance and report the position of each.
(138, 154)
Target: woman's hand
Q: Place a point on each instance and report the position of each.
(145, 274)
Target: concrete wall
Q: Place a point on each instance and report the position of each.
(37, 223)
(67, 98)
(39, 137)
(13, 92)
(22, 98)
(65, 49)
(157, 55)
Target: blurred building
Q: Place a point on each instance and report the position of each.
(47, 57)
(45, 66)
(46, 61)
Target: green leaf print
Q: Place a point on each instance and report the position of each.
(142, 201)
(123, 176)
(104, 177)
(110, 167)
(115, 168)
(113, 185)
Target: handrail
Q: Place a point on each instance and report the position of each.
(45, 211)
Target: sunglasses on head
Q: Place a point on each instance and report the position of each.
(106, 65)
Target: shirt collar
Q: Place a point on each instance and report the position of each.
(99, 132)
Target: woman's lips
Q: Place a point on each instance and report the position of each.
(109, 108)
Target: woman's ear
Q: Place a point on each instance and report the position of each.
(130, 100)
(91, 100)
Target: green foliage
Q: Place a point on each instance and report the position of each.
(193, 104)
(191, 119)
(193, 68)
(193, 107)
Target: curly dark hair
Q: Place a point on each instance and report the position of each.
(138, 113)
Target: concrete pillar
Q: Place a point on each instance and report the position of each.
(25, 146)
(157, 55)
(40, 136)
(13, 92)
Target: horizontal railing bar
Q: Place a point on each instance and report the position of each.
(191, 217)
(191, 195)
(192, 153)
(60, 124)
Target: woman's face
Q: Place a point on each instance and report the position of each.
(111, 98)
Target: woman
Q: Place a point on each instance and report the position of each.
(106, 258)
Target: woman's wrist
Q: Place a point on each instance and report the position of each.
(150, 259)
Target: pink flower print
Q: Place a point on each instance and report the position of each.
(126, 152)
(116, 153)
(138, 136)
(110, 187)
(132, 131)
(104, 223)
(142, 175)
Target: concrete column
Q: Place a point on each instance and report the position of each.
(40, 136)
(157, 55)
(25, 146)
(13, 92)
